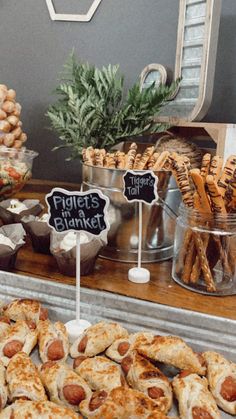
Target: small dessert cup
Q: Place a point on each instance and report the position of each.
(39, 232)
(11, 240)
(12, 210)
(63, 248)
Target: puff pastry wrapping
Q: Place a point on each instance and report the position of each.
(194, 398)
(19, 338)
(172, 350)
(3, 387)
(63, 385)
(145, 377)
(122, 347)
(53, 341)
(5, 325)
(221, 375)
(25, 309)
(120, 403)
(101, 373)
(23, 379)
(97, 338)
(40, 410)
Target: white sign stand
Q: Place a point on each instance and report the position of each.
(140, 186)
(65, 210)
(139, 275)
(77, 326)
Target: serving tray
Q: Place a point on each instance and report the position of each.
(201, 331)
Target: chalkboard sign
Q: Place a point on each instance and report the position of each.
(140, 186)
(78, 211)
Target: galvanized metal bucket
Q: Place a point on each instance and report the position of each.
(158, 219)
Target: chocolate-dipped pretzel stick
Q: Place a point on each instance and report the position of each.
(216, 167)
(230, 194)
(206, 161)
(180, 173)
(227, 174)
(200, 189)
(217, 201)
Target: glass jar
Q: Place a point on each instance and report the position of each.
(205, 252)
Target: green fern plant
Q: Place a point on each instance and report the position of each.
(93, 110)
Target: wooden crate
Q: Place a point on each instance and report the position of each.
(223, 135)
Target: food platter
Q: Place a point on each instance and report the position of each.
(201, 331)
(218, 334)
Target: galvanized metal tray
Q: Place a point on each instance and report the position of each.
(203, 332)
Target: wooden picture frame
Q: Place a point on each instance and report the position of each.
(72, 17)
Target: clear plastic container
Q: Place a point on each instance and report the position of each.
(205, 252)
(15, 170)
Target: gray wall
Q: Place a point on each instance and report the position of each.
(132, 33)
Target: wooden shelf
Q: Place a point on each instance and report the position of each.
(112, 276)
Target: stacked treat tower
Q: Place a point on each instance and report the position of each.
(11, 134)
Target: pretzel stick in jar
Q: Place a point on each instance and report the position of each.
(218, 207)
(200, 189)
(206, 161)
(216, 167)
(227, 174)
(230, 194)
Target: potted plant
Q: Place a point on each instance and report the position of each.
(93, 108)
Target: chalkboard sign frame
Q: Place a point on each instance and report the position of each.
(64, 192)
(141, 173)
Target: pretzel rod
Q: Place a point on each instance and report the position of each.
(129, 162)
(99, 155)
(217, 202)
(106, 159)
(188, 263)
(204, 263)
(145, 157)
(206, 161)
(111, 161)
(223, 256)
(88, 155)
(230, 194)
(137, 161)
(184, 249)
(152, 160)
(200, 188)
(180, 173)
(196, 269)
(227, 174)
(216, 167)
(161, 160)
(120, 157)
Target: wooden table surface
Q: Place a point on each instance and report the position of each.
(112, 276)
